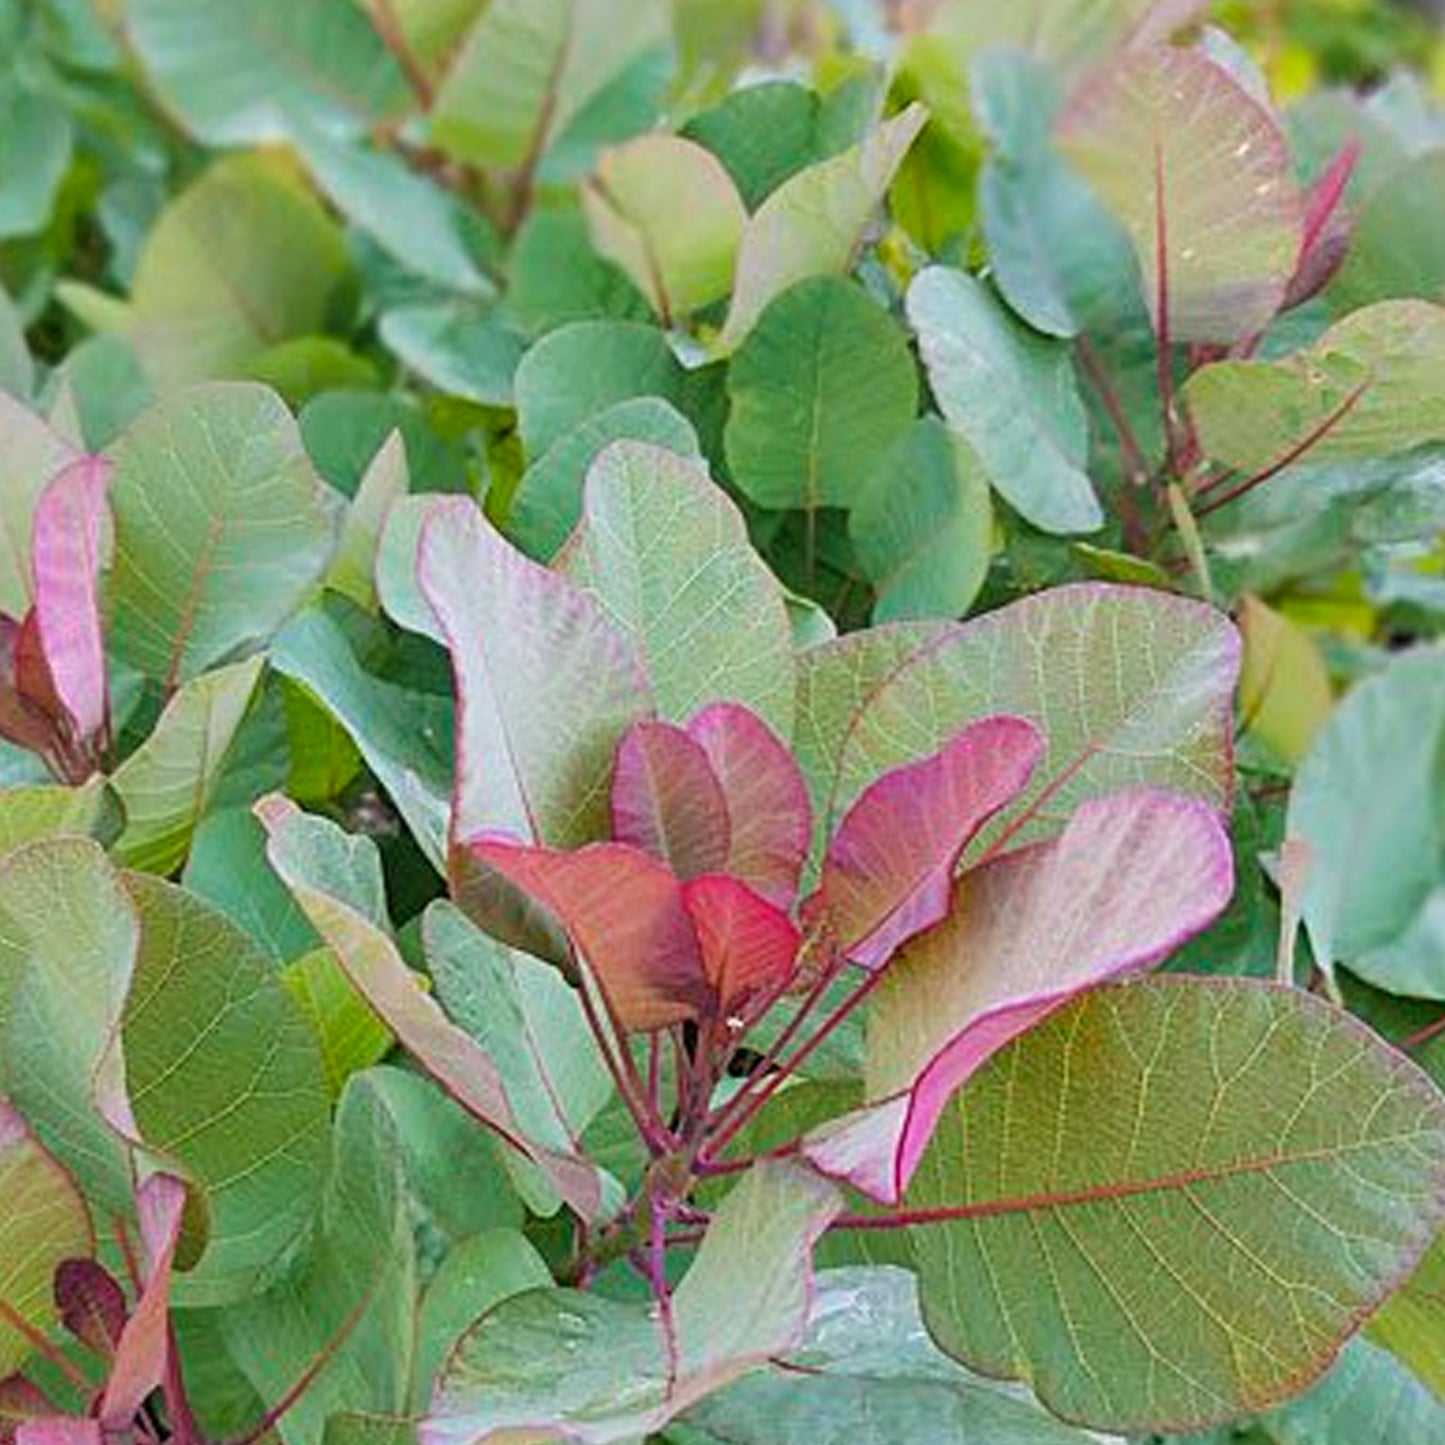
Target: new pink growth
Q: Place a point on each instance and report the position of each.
(889, 869)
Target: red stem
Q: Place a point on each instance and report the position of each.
(1163, 330)
(1114, 408)
(1300, 449)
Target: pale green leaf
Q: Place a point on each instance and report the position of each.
(1368, 386)
(385, 481)
(37, 141)
(248, 1125)
(924, 530)
(62, 991)
(1395, 239)
(580, 1367)
(1012, 394)
(32, 454)
(356, 1284)
(246, 74)
(44, 1223)
(1273, 1170)
(814, 223)
(457, 347)
(1130, 688)
(1369, 803)
(549, 502)
(529, 68)
(1412, 1326)
(221, 530)
(167, 784)
(44, 810)
(664, 210)
(866, 1373)
(351, 1036)
(239, 262)
(667, 555)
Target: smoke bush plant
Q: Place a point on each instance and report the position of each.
(493, 948)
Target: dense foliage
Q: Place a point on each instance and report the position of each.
(723, 723)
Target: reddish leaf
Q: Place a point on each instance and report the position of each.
(770, 817)
(66, 565)
(1327, 229)
(749, 948)
(889, 869)
(92, 1305)
(21, 721)
(144, 1348)
(1130, 879)
(667, 801)
(32, 675)
(625, 916)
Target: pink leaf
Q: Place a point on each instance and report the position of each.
(625, 916)
(667, 801)
(20, 1400)
(770, 817)
(1327, 229)
(749, 948)
(1131, 878)
(92, 1305)
(66, 565)
(889, 870)
(144, 1347)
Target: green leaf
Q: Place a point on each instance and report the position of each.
(386, 480)
(1060, 260)
(1200, 174)
(1394, 243)
(1369, 802)
(221, 529)
(43, 810)
(1285, 696)
(17, 370)
(554, 277)
(580, 370)
(404, 735)
(166, 786)
(1136, 691)
(1412, 1325)
(1210, 1254)
(814, 223)
(37, 140)
(867, 1373)
(529, 1020)
(529, 69)
(238, 263)
(549, 502)
(1013, 396)
(1369, 385)
(1368, 1396)
(408, 215)
(474, 1277)
(351, 1036)
(458, 348)
(33, 453)
(667, 555)
(227, 868)
(249, 74)
(45, 1222)
(353, 1294)
(822, 389)
(248, 1126)
(665, 211)
(62, 991)
(573, 1366)
(766, 133)
(924, 529)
